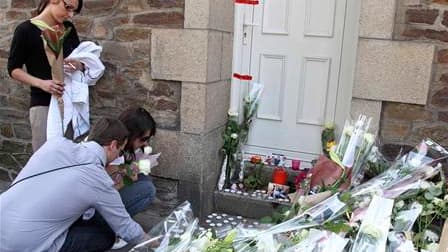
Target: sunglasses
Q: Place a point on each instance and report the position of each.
(68, 7)
(145, 139)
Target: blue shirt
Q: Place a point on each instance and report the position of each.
(35, 214)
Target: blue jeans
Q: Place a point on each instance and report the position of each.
(138, 196)
(95, 234)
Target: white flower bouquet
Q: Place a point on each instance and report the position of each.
(404, 175)
(236, 133)
(372, 235)
(173, 234)
(320, 240)
(354, 147)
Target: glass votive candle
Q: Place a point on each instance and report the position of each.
(295, 164)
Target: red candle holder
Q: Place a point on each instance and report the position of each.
(280, 176)
(295, 164)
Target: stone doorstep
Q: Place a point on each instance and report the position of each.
(246, 206)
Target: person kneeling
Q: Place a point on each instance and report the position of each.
(43, 208)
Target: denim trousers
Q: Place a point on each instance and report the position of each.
(95, 234)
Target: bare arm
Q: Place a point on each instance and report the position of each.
(50, 86)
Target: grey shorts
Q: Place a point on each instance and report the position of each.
(38, 121)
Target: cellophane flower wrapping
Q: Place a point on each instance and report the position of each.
(173, 234)
(354, 147)
(405, 174)
(372, 235)
(405, 219)
(326, 210)
(320, 241)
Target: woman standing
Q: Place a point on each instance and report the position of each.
(27, 49)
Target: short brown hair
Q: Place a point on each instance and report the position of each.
(106, 130)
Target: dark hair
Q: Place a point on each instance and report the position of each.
(44, 3)
(138, 121)
(107, 130)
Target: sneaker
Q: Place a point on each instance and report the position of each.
(119, 243)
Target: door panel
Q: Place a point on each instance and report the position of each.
(295, 51)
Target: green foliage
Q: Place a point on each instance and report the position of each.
(278, 216)
(327, 138)
(338, 226)
(231, 143)
(255, 179)
(224, 245)
(435, 211)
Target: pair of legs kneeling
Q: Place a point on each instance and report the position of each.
(95, 234)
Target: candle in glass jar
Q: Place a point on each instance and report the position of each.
(295, 164)
(280, 176)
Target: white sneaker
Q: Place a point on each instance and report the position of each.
(119, 243)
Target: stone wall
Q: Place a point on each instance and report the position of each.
(423, 22)
(123, 28)
(171, 56)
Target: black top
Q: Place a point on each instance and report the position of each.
(27, 48)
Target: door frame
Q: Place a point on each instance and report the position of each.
(243, 22)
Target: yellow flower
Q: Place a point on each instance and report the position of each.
(330, 145)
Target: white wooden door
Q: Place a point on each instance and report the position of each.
(295, 51)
